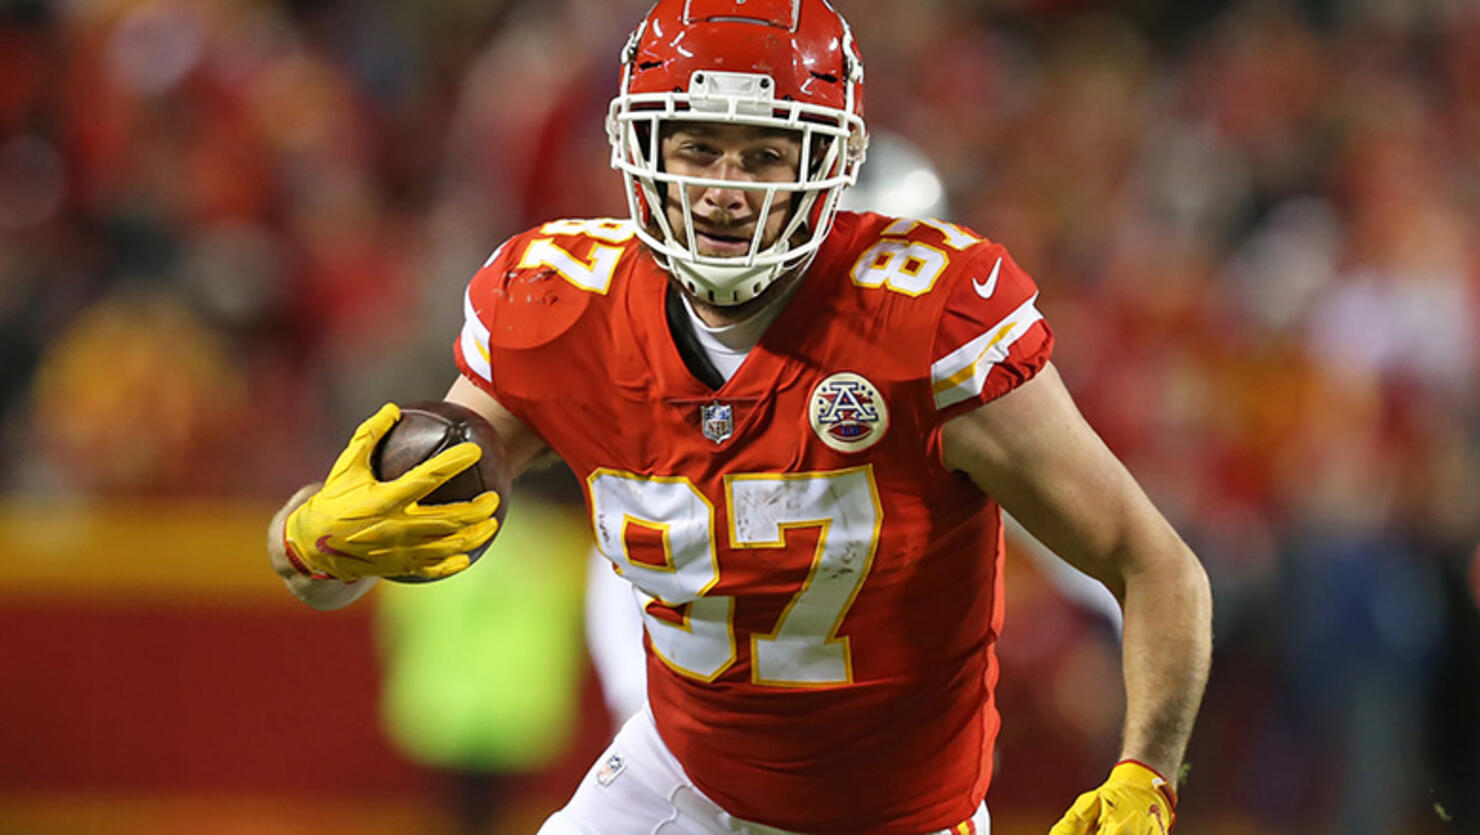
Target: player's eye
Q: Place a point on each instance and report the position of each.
(767, 158)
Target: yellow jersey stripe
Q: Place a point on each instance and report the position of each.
(961, 374)
(965, 374)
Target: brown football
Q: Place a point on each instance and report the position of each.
(425, 429)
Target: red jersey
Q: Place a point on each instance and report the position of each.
(822, 594)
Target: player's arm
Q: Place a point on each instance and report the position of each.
(332, 539)
(523, 446)
(328, 558)
(1033, 451)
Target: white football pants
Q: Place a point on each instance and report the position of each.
(636, 787)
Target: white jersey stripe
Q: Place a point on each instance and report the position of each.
(471, 320)
(475, 342)
(961, 374)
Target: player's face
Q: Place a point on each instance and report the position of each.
(725, 218)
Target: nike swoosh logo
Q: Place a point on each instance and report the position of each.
(987, 288)
(322, 543)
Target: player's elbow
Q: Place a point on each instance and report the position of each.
(1165, 562)
(1199, 589)
(1177, 574)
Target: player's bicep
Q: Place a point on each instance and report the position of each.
(520, 442)
(1036, 455)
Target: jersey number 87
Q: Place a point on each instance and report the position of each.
(803, 649)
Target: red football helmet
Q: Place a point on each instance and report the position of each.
(788, 64)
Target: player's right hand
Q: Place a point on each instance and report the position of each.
(1134, 801)
(358, 526)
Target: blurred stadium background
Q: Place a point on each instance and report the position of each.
(231, 228)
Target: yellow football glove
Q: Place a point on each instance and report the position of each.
(1135, 800)
(357, 526)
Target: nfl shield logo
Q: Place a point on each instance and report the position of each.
(718, 421)
(610, 770)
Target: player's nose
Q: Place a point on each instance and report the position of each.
(728, 199)
(725, 199)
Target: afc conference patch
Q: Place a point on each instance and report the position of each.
(848, 413)
(718, 421)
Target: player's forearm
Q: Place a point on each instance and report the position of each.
(320, 594)
(1166, 654)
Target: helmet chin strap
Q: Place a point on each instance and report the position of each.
(724, 285)
(743, 283)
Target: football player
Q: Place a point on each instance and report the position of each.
(898, 180)
(796, 428)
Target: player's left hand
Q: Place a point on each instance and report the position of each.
(1135, 800)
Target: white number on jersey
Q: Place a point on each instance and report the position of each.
(956, 237)
(908, 267)
(607, 229)
(804, 648)
(595, 272)
(905, 266)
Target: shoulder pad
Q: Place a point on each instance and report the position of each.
(990, 336)
(539, 283)
(910, 256)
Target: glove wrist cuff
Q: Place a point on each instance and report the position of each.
(1158, 781)
(295, 559)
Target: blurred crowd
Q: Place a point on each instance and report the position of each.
(230, 228)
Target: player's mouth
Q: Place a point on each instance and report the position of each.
(727, 242)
